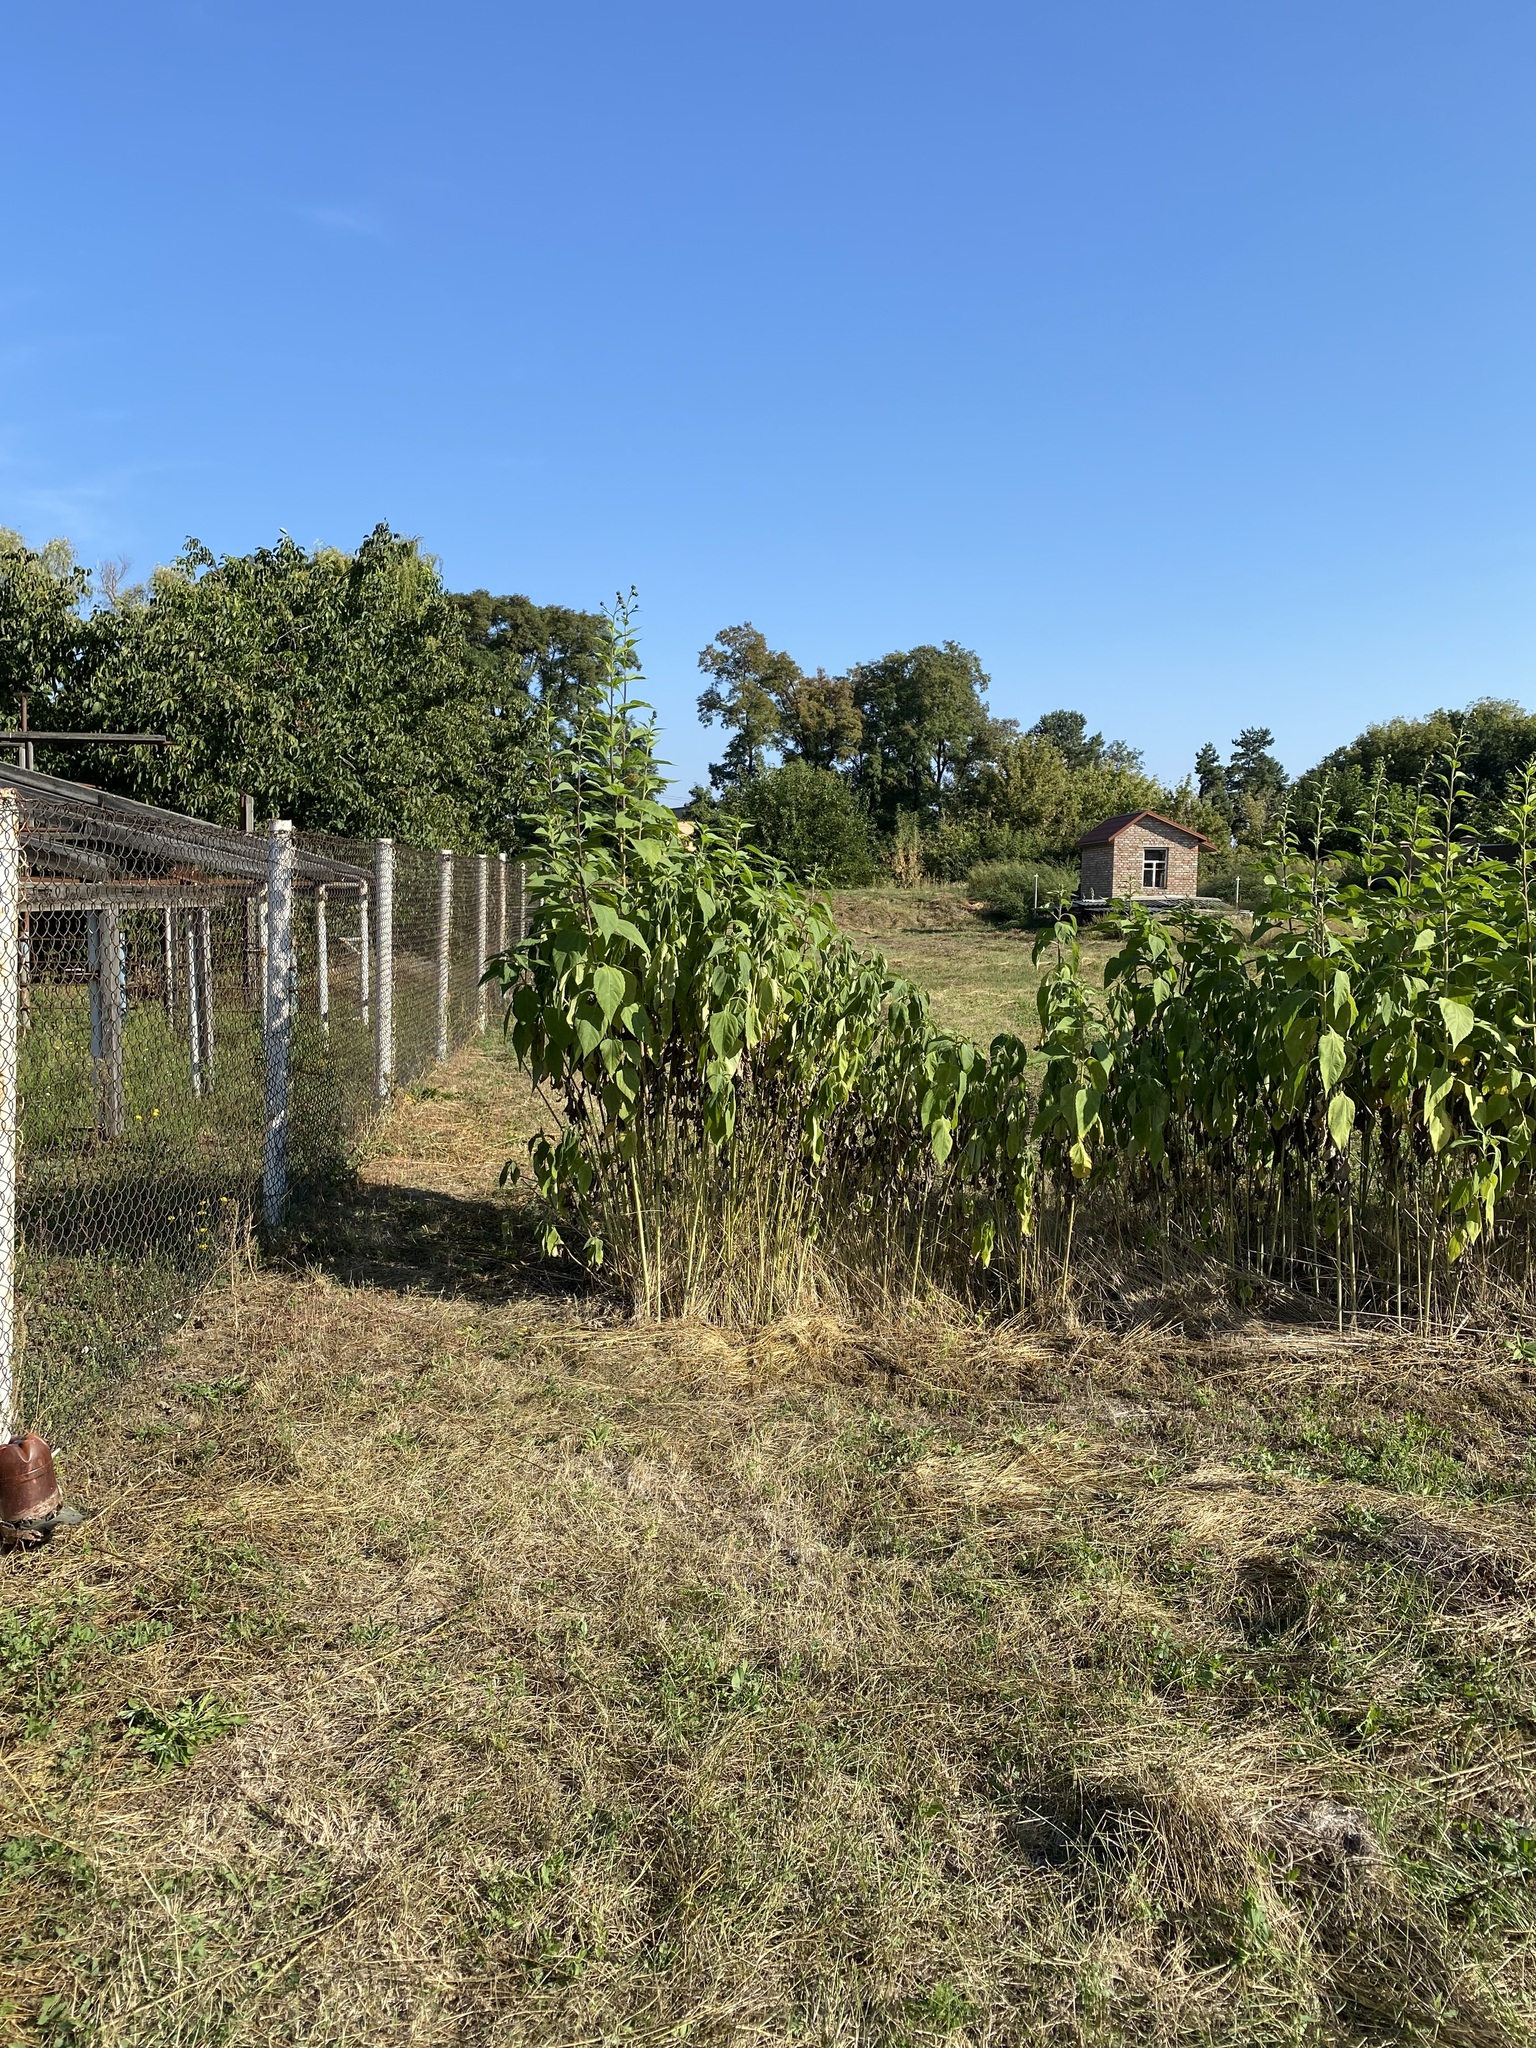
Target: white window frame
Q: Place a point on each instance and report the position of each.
(1154, 867)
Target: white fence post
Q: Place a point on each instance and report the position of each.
(10, 1039)
(274, 1165)
(322, 964)
(362, 951)
(482, 891)
(111, 977)
(522, 900)
(501, 903)
(194, 1008)
(444, 945)
(169, 934)
(205, 975)
(384, 993)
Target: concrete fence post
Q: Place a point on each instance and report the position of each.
(482, 909)
(501, 903)
(322, 964)
(10, 1039)
(384, 991)
(521, 901)
(444, 945)
(279, 1032)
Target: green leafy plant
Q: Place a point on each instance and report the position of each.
(171, 1740)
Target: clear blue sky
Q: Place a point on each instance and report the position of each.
(1176, 355)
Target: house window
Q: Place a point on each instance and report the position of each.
(1154, 867)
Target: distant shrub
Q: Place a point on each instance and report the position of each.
(953, 849)
(1008, 887)
(1236, 874)
(809, 819)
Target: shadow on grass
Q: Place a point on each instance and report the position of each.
(420, 1240)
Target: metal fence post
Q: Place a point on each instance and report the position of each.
(169, 935)
(263, 952)
(194, 1009)
(322, 964)
(10, 1036)
(482, 891)
(274, 1165)
(205, 976)
(384, 940)
(362, 952)
(255, 964)
(501, 903)
(111, 976)
(444, 945)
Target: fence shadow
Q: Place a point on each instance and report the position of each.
(420, 1240)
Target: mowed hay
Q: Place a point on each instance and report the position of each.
(450, 1663)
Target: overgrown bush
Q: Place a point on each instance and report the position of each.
(809, 819)
(958, 845)
(751, 1111)
(1022, 891)
(748, 1105)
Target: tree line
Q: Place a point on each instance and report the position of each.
(900, 765)
(355, 693)
(901, 762)
(349, 691)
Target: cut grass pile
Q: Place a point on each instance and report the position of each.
(979, 976)
(452, 1664)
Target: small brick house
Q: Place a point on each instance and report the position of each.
(1142, 855)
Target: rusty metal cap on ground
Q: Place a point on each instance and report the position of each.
(29, 1486)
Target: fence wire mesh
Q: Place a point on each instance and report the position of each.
(176, 1039)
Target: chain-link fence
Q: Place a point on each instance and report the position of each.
(197, 1028)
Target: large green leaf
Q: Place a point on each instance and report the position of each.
(1341, 1120)
(608, 987)
(1459, 1019)
(1332, 1059)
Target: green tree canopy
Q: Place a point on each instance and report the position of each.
(921, 714)
(809, 818)
(820, 723)
(338, 689)
(1494, 737)
(749, 686)
(48, 639)
(1067, 732)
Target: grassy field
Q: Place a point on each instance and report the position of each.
(980, 976)
(452, 1663)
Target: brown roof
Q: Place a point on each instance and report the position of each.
(1111, 828)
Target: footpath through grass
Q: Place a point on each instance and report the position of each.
(450, 1663)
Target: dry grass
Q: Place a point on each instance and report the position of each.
(452, 1664)
(979, 976)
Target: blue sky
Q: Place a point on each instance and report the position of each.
(1177, 356)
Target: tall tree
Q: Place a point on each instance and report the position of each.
(335, 687)
(1494, 736)
(48, 638)
(1255, 782)
(528, 654)
(1068, 733)
(922, 711)
(748, 688)
(820, 723)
